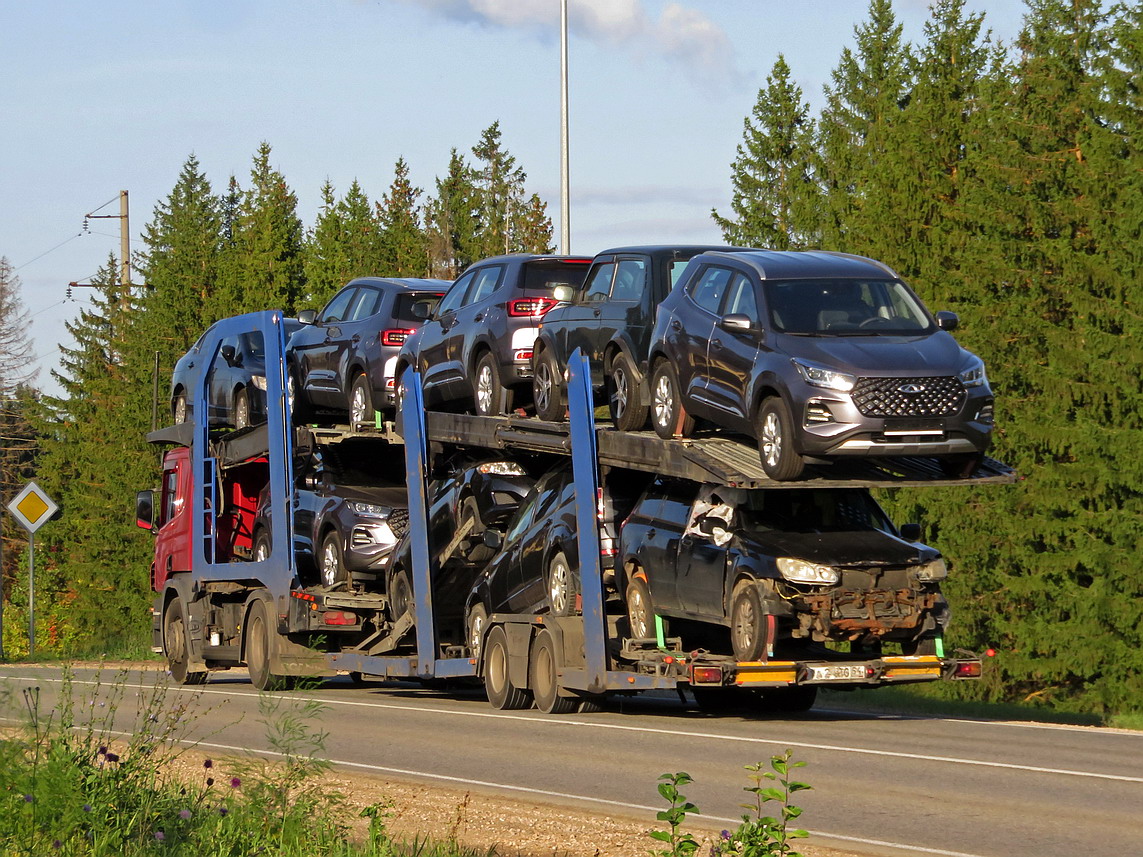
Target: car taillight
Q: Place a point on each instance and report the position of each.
(530, 306)
(522, 355)
(396, 336)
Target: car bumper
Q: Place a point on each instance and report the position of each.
(369, 547)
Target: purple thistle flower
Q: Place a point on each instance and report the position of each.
(160, 836)
(210, 781)
(223, 810)
(208, 764)
(87, 807)
(28, 798)
(56, 844)
(184, 813)
(725, 834)
(112, 757)
(102, 751)
(235, 782)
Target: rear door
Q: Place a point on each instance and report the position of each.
(623, 310)
(694, 327)
(661, 542)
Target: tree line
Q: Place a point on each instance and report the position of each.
(1003, 181)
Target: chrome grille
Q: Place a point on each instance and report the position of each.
(908, 397)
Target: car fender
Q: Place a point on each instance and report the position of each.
(621, 344)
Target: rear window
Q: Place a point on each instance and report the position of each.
(548, 275)
(403, 311)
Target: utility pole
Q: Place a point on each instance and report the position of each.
(565, 181)
(124, 245)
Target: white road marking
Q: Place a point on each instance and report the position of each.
(648, 730)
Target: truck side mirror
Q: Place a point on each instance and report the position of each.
(145, 510)
(911, 532)
(307, 316)
(947, 320)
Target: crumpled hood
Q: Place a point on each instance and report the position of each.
(933, 354)
(861, 548)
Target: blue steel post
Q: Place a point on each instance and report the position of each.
(585, 473)
(412, 417)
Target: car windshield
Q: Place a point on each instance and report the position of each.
(811, 510)
(846, 307)
(403, 311)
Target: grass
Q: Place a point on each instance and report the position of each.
(74, 785)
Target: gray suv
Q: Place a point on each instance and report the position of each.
(816, 354)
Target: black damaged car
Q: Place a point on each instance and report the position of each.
(781, 568)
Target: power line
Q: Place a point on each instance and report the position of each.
(46, 252)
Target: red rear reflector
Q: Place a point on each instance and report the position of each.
(968, 669)
(396, 336)
(339, 617)
(706, 675)
(530, 306)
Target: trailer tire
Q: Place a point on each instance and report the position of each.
(257, 642)
(747, 622)
(502, 694)
(544, 677)
(175, 645)
(562, 586)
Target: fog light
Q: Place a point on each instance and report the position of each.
(985, 415)
(817, 413)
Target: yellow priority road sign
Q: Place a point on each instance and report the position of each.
(32, 507)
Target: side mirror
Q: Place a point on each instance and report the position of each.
(493, 539)
(563, 294)
(145, 510)
(736, 323)
(947, 320)
(911, 532)
(422, 309)
(228, 354)
(307, 316)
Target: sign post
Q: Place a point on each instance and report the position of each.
(32, 508)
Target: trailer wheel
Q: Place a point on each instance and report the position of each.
(258, 641)
(332, 566)
(175, 645)
(790, 700)
(502, 694)
(640, 610)
(747, 627)
(544, 677)
(562, 587)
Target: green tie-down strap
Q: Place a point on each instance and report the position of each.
(940, 647)
(660, 637)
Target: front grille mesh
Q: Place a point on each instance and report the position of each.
(883, 397)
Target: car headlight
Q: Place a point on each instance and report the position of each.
(259, 381)
(501, 468)
(370, 509)
(934, 570)
(974, 375)
(800, 571)
(820, 376)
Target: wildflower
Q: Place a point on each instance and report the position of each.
(184, 813)
(112, 757)
(223, 810)
(209, 781)
(28, 798)
(102, 751)
(725, 834)
(87, 807)
(56, 844)
(235, 782)
(160, 836)
(208, 764)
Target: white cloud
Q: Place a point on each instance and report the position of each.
(681, 34)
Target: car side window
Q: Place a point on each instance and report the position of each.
(599, 286)
(454, 297)
(336, 309)
(740, 299)
(524, 516)
(366, 304)
(485, 283)
(709, 288)
(630, 280)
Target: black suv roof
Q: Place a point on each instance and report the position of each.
(805, 264)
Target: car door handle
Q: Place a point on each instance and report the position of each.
(356, 338)
(597, 313)
(651, 532)
(716, 344)
(676, 325)
(478, 317)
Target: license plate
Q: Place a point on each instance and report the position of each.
(838, 672)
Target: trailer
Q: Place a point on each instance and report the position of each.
(219, 604)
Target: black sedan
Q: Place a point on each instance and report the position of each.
(780, 568)
(348, 517)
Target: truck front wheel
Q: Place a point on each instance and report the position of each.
(176, 647)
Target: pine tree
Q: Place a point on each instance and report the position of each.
(405, 247)
(774, 190)
(345, 243)
(452, 220)
(499, 194)
(533, 227)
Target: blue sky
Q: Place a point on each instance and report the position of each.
(112, 95)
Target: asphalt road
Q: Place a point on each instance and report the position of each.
(882, 785)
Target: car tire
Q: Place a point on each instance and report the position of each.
(176, 647)
(486, 387)
(262, 545)
(747, 622)
(562, 588)
(331, 564)
(775, 433)
(668, 416)
(640, 610)
(544, 677)
(625, 396)
(242, 409)
(474, 629)
(400, 594)
(258, 644)
(360, 402)
(502, 694)
(548, 389)
(179, 407)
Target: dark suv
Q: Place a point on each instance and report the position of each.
(816, 354)
(781, 568)
(476, 346)
(344, 357)
(610, 319)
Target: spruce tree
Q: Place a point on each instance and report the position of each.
(405, 247)
(452, 220)
(533, 227)
(774, 191)
(499, 194)
(345, 243)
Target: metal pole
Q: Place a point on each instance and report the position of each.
(124, 243)
(31, 593)
(565, 180)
